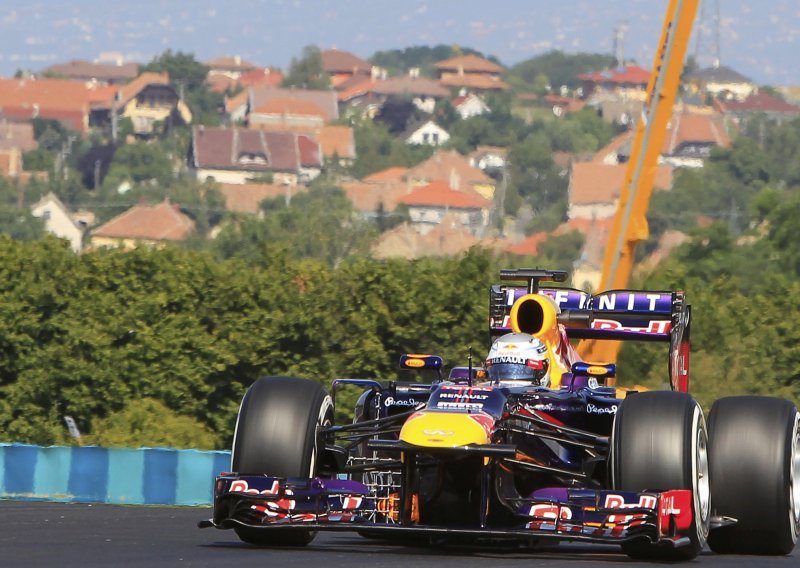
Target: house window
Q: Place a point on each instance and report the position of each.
(46, 214)
(436, 138)
(424, 137)
(248, 158)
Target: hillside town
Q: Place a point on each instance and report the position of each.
(270, 139)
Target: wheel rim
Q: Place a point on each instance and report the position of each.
(703, 482)
(794, 486)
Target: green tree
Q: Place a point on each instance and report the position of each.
(134, 427)
(319, 224)
(307, 71)
(561, 68)
(188, 76)
(376, 150)
(399, 61)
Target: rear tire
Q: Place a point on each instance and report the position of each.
(754, 461)
(659, 442)
(276, 435)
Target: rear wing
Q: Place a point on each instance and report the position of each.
(615, 314)
(626, 315)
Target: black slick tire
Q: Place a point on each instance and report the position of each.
(276, 435)
(753, 458)
(659, 442)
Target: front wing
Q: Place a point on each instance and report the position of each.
(601, 516)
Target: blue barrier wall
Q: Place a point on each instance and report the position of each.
(151, 476)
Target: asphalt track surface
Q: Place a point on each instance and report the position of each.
(64, 535)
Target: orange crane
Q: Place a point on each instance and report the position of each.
(630, 221)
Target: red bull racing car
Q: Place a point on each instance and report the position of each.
(572, 458)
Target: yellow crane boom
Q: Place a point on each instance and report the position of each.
(630, 221)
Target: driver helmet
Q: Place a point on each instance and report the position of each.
(518, 357)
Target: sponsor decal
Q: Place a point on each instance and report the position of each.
(597, 370)
(548, 516)
(241, 486)
(415, 363)
(351, 502)
(631, 301)
(593, 409)
(390, 401)
(433, 432)
(520, 360)
(460, 405)
(467, 396)
(675, 509)
(656, 326)
(618, 502)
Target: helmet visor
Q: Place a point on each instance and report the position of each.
(533, 371)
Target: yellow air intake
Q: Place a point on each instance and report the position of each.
(534, 314)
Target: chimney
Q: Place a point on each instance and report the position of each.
(455, 180)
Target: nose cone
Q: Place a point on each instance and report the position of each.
(446, 429)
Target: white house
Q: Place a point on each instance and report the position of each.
(470, 105)
(488, 158)
(58, 221)
(428, 133)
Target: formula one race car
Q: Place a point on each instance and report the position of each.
(492, 458)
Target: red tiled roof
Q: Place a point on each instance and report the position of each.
(162, 222)
(759, 102)
(290, 106)
(698, 128)
(444, 239)
(440, 194)
(230, 63)
(371, 196)
(601, 183)
(630, 74)
(129, 91)
(337, 140)
(475, 81)
(325, 100)
(85, 70)
(612, 147)
(395, 173)
(357, 89)
(246, 197)
(408, 85)
(529, 246)
(469, 64)
(337, 61)
(236, 101)
(221, 148)
(219, 82)
(58, 99)
(449, 165)
(261, 76)
(309, 151)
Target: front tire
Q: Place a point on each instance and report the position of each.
(659, 442)
(755, 460)
(276, 435)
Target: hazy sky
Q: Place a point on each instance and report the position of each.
(757, 38)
